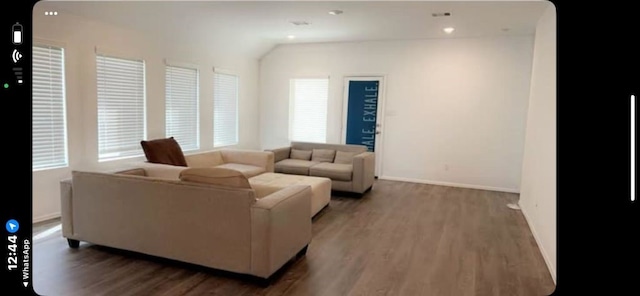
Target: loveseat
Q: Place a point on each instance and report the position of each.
(224, 227)
(350, 167)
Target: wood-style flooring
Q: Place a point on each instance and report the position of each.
(398, 239)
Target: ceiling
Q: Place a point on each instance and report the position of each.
(254, 28)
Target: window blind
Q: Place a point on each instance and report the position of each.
(49, 138)
(181, 102)
(308, 113)
(121, 102)
(225, 110)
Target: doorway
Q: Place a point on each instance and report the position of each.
(362, 112)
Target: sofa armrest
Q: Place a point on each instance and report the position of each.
(280, 228)
(66, 213)
(280, 153)
(256, 158)
(363, 171)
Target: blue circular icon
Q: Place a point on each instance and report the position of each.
(12, 226)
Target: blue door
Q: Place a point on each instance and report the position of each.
(362, 110)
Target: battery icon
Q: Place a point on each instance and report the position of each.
(17, 33)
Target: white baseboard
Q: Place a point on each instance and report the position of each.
(451, 184)
(537, 238)
(45, 217)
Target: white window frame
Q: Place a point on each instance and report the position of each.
(292, 108)
(173, 64)
(237, 103)
(138, 152)
(65, 162)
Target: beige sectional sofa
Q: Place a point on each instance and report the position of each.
(252, 230)
(257, 166)
(214, 226)
(350, 167)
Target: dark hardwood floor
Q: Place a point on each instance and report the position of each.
(399, 239)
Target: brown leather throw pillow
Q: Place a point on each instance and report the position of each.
(164, 151)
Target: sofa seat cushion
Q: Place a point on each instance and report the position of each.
(334, 171)
(263, 190)
(320, 187)
(294, 166)
(246, 169)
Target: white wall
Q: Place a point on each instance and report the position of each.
(455, 108)
(538, 187)
(79, 37)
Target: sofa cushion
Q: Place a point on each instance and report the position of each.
(341, 147)
(334, 171)
(300, 154)
(204, 160)
(164, 151)
(323, 155)
(320, 187)
(344, 157)
(162, 171)
(215, 176)
(263, 190)
(294, 166)
(246, 169)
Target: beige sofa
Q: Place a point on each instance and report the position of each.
(257, 166)
(210, 225)
(350, 169)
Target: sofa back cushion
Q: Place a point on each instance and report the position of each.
(215, 176)
(161, 171)
(339, 147)
(205, 159)
(262, 159)
(344, 157)
(300, 154)
(164, 151)
(323, 155)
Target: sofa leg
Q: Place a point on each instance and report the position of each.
(366, 191)
(73, 243)
(302, 252)
(263, 282)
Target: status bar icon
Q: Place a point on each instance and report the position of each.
(17, 33)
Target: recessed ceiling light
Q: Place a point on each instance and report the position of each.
(335, 12)
(448, 30)
(291, 37)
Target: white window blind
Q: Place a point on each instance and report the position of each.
(121, 102)
(182, 106)
(49, 136)
(308, 110)
(225, 110)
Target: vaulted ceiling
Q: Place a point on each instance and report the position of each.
(255, 27)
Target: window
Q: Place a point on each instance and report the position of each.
(121, 115)
(308, 110)
(225, 110)
(182, 106)
(49, 129)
